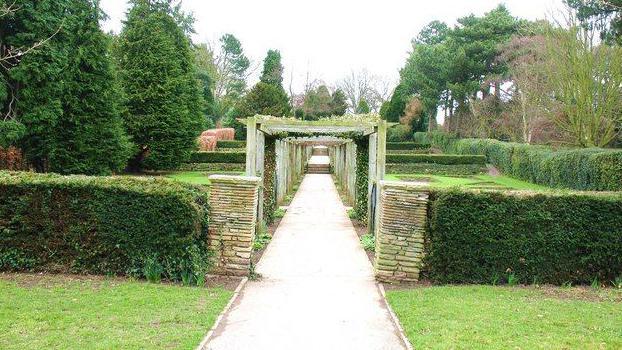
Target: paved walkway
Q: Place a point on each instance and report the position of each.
(317, 289)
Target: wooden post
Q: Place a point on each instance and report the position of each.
(251, 148)
(381, 151)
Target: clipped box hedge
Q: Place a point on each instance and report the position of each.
(483, 237)
(447, 159)
(595, 169)
(435, 169)
(101, 225)
(213, 167)
(406, 145)
(231, 144)
(218, 157)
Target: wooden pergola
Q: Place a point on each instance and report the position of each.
(277, 150)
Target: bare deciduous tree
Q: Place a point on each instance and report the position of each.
(362, 85)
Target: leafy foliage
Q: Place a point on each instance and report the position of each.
(218, 157)
(594, 169)
(603, 16)
(447, 159)
(101, 225)
(159, 80)
(64, 91)
(272, 69)
(553, 238)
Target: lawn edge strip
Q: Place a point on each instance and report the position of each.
(221, 316)
(396, 321)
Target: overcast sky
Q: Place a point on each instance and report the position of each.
(330, 38)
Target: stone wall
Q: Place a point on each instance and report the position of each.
(400, 231)
(233, 215)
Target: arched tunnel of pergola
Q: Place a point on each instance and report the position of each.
(278, 150)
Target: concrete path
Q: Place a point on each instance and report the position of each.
(317, 289)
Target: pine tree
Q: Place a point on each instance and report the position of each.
(64, 88)
(272, 69)
(89, 137)
(159, 80)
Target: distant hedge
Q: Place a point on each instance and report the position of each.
(483, 237)
(447, 159)
(581, 169)
(218, 157)
(101, 225)
(406, 145)
(213, 167)
(230, 144)
(435, 169)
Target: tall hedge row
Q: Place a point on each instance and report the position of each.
(595, 169)
(406, 145)
(101, 225)
(230, 144)
(447, 159)
(483, 237)
(218, 157)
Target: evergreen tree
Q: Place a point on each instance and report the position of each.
(264, 99)
(89, 136)
(339, 104)
(159, 79)
(272, 69)
(62, 90)
(363, 107)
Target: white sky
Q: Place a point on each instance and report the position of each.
(330, 38)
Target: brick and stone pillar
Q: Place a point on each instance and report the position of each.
(233, 217)
(402, 211)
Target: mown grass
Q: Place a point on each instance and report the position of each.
(489, 317)
(57, 312)
(476, 181)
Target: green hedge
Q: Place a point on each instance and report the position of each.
(230, 144)
(101, 225)
(435, 169)
(480, 237)
(406, 145)
(409, 151)
(218, 157)
(212, 167)
(581, 169)
(447, 159)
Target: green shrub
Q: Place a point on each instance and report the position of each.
(421, 137)
(368, 241)
(230, 144)
(218, 157)
(545, 237)
(409, 151)
(100, 225)
(594, 169)
(213, 167)
(399, 133)
(406, 145)
(435, 169)
(447, 159)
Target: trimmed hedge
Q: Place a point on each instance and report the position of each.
(447, 159)
(594, 169)
(218, 157)
(406, 145)
(212, 167)
(483, 237)
(409, 151)
(435, 169)
(101, 225)
(230, 144)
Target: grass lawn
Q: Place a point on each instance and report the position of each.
(483, 181)
(61, 312)
(488, 317)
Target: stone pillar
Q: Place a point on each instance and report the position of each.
(402, 213)
(233, 213)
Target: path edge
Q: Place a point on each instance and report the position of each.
(221, 316)
(394, 318)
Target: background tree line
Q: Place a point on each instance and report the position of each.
(501, 77)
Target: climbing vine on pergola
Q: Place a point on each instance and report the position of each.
(277, 150)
